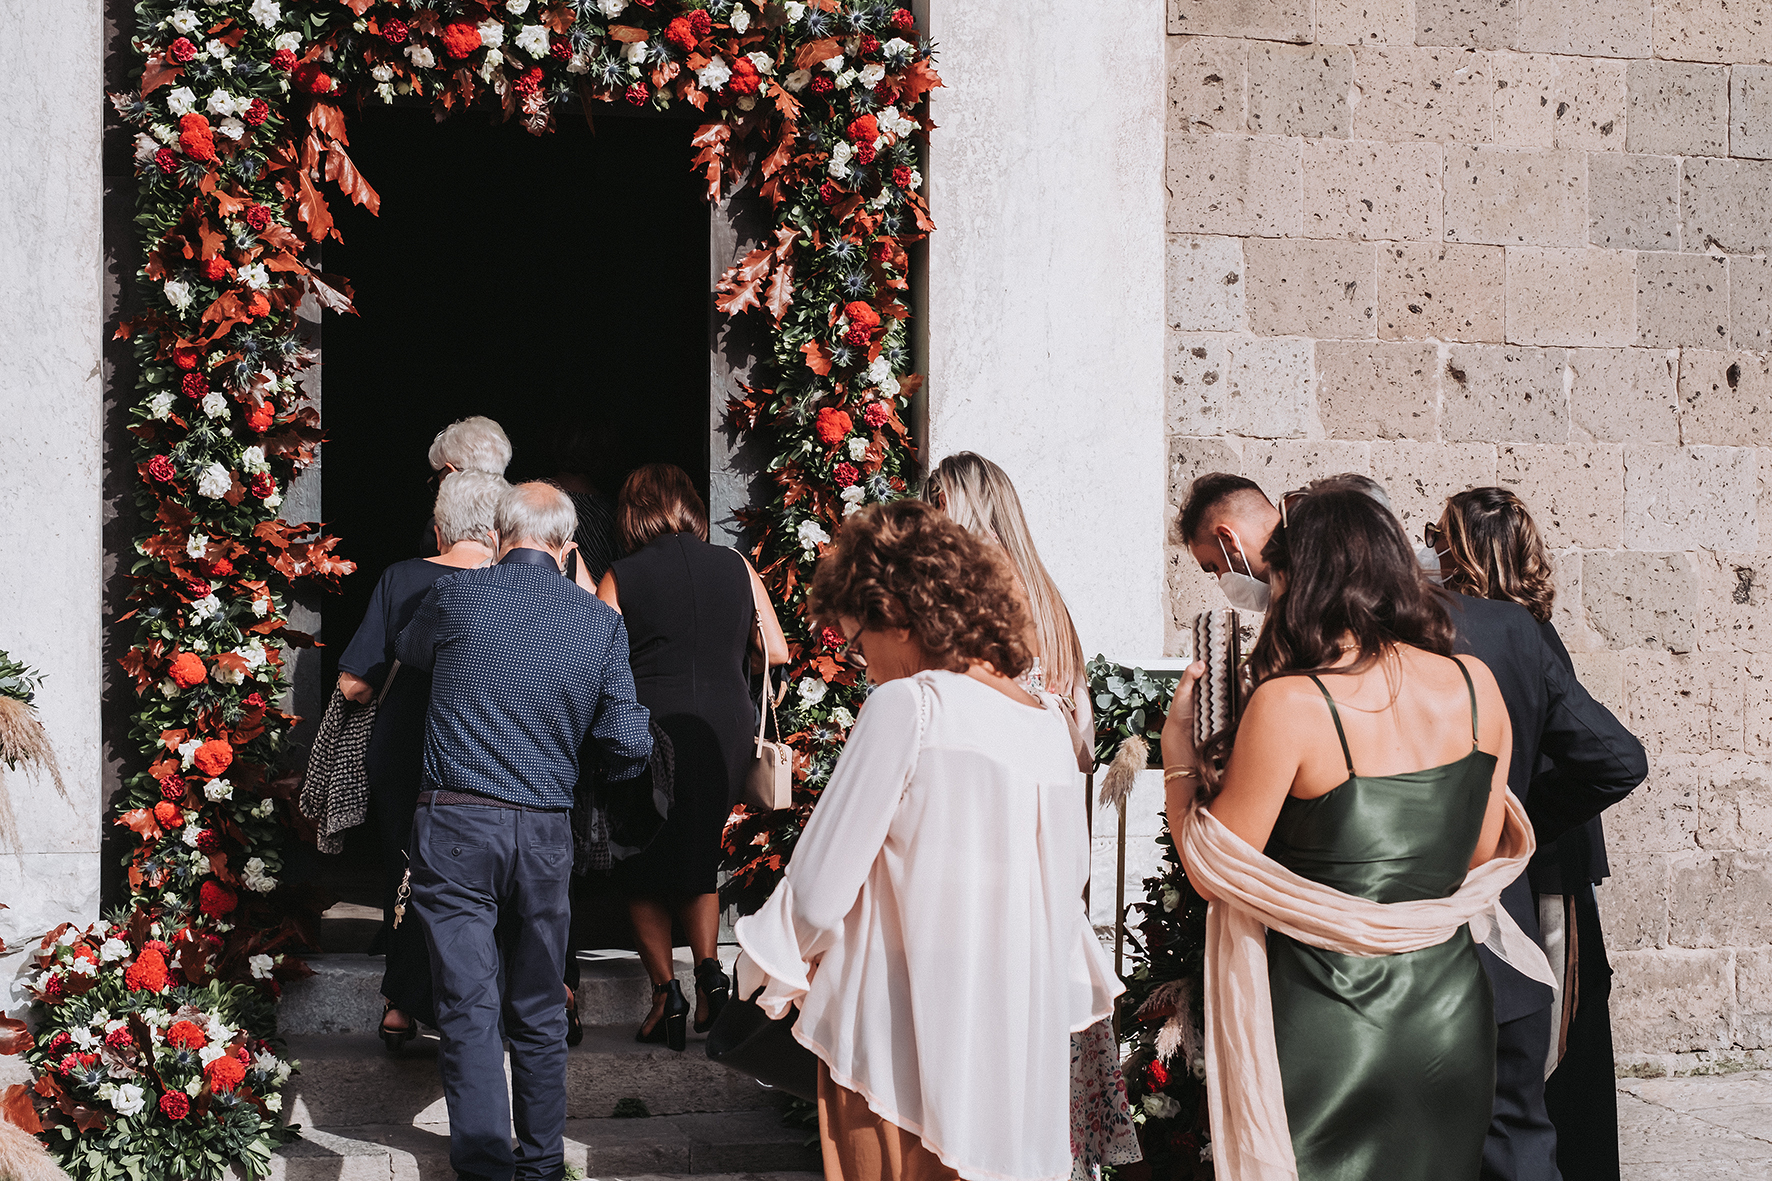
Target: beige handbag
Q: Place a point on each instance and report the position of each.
(769, 784)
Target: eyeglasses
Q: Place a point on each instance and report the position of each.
(1289, 501)
(851, 650)
(1432, 534)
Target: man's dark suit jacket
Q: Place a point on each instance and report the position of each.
(1591, 760)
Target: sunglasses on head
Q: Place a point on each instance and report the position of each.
(1433, 535)
(1290, 501)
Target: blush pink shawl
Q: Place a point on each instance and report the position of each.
(1250, 1137)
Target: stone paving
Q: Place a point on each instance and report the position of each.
(1683, 1129)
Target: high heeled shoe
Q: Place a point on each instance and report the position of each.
(392, 1038)
(714, 985)
(672, 1027)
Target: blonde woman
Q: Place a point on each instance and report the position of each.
(979, 496)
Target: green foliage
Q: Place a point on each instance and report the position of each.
(18, 681)
(1128, 701)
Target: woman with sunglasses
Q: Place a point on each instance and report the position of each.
(929, 927)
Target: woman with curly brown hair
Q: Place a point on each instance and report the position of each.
(928, 925)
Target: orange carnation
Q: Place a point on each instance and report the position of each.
(168, 815)
(832, 426)
(187, 669)
(861, 312)
(185, 1034)
(225, 1073)
(460, 39)
(148, 972)
(195, 137)
(213, 757)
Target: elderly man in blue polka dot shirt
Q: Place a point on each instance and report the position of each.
(525, 665)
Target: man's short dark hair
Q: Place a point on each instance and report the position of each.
(1208, 493)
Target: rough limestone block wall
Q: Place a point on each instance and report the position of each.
(1521, 242)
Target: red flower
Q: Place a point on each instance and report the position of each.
(254, 701)
(681, 33)
(560, 49)
(55, 988)
(261, 485)
(167, 815)
(1159, 1076)
(181, 50)
(312, 79)
(119, 1038)
(831, 638)
(193, 385)
(218, 568)
(148, 973)
(175, 1105)
(857, 336)
(259, 218)
(865, 154)
(862, 313)
(186, 1035)
(528, 82)
(160, 468)
(216, 900)
(216, 268)
(186, 357)
(225, 1073)
(885, 92)
(829, 193)
(901, 176)
(196, 588)
(395, 31)
(822, 84)
(902, 19)
(876, 414)
(195, 137)
(172, 787)
(864, 130)
(260, 417)
(745, 78)
(58, 1043)
(460, 39)
(832, 426)
(637, 94)
(257, 113)
(870, 44)
(157, 946)
(881, 250)
(71, 1064)
(166, 160)
(187, 669)
(214, 757)
(207, 841)
(283, 59)
(701, 22)
(845, 475)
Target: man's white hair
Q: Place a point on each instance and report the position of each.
(475, 444)
(467, 507)
(536, 512)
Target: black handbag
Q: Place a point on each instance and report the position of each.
(745, 1039)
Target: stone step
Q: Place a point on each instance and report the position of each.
(727, 1147)
(344, 994)
(351, 1080)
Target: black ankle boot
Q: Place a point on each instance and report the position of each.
(672, 1027)
(713, 984)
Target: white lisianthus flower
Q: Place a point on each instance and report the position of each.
(492, 33)
(160, 405)
(266, 12)
(879, 370)
(218, 789)
(194, 1087)
(264, 808)
(183, 20)
(635, 51)
(1160, 1106)
(898, 124)
(897, 47)
(858, 449)
(715, 74)
(232, 128)
(83, 968)
(871, 74)
(382, 72)
(841, 718)
(178, 293)
(254, 878)
(252, 460)
(533, 39)
(228, 676)
(197, 546)
(260, 966)
(84, 1038)
(265, 1061)
(812, 690)
(113, 949)
(845, 80)
(217, 49)
(889, 387)
(129, 1099)
(290, 41)
(854, 497)
(181, 101)
(166, 133)
(211, 1052)
(516, 7)
(580, 63)
(202, 611)
(834, 64)
(841, 153)
(214, 481)
(798, 80)
(187, 750)
(253, 654)
(812, 535)
(740, 20)
(273, 502)
(611, 7)
(421, 57)
(764, 62)
(190, 835)
(261, 606)
(215, 404)
(795, 10)
(256, 276)
(273, 1103)
(489, 67)
(169, 688)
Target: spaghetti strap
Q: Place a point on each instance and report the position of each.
(1339, 732)
(1471, 686)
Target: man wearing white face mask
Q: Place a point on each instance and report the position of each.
(1225, 523)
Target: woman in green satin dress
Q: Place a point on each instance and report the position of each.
(1370, 760)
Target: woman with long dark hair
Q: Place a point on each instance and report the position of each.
(1358, 810)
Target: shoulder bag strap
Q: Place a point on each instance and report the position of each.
(765, 703)
(387, 684)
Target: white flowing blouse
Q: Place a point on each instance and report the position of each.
(931, 925)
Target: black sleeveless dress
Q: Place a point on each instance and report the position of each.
(1387, 1062)
(690, 615)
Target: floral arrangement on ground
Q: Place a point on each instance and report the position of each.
(240, 119)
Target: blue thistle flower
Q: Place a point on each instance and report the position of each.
(855, 284)
(890, 224)
(843, 357)
(818, 23)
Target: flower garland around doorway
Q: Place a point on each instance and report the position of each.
(154, 1051)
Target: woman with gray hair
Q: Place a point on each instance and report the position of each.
(472, 444)
(464, 524)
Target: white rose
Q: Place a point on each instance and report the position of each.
(871, 74)
(889, 387)
(252, 460)
(253, 654)
(840, 155)
(812, 690)
(764, 63)
(265, 12)
(254, 877)
(1171, 898)
(202, 611)
(129, 1099)
(256, 276)
(489, 67)
(113, 949)
(215, 404)
(834, 64)
(184, 20)
(812, 535)
(194, 1087)
(261, 606)
(160, 405)
(795, 10)
(740, 19)
(897, 47)
(382, 72)
(516, 7)
(181, 101)
(635, 51)
(492, 34)
(273, 1103)
(611, 7)
(260, 966)
(880, 370)
(421, 57)
(197, 546)
(533, 40)
(190, 835)
(216, 48)
(218, 789)
(715, 74)
(289, 41)
(853, 496)
(214, 481)
(232, 128)
(273, 502)
(1160, 1106)
(169, 688)
(228, 676)
(186, 751)
(858, 449)
(798, 80)
(842, 718)
(845, 80)
(178, 293)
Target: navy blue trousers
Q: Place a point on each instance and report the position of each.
(490, 886)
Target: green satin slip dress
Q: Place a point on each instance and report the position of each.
(1388, 1062)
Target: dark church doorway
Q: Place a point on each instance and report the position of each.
(538, 280)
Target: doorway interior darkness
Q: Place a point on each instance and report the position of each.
(529, 278)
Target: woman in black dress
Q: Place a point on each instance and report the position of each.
(463, 525)
(694, 612)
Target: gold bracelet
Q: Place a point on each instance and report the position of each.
(1180, 773)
